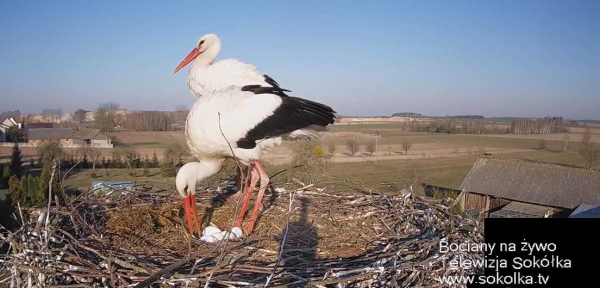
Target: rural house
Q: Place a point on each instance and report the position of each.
(511, 188)
(6, 125)
(92, 138)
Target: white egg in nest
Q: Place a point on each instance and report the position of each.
(228, 235)
(218, 236)
(237, 231)
(211, 230)
(208, 239)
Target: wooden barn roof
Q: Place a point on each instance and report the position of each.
(533, 182)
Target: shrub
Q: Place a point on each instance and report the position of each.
(371, 148)
(309, 162)
(352, 147)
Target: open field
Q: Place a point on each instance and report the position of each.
(444, 159)
(386, 175)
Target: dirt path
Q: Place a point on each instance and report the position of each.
(280, 159)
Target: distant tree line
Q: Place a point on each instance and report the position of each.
(476, 124)
(16, 114)
(155, 120)
(548, 125)
(52, 114)
(468, 116)
(107, 118)
(451, 125)
(406, 114)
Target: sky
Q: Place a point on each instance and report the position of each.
(493, 58)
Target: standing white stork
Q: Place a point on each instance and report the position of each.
(207, 76)
(242, 123)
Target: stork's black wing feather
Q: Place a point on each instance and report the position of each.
(274, 83)
(294, 113)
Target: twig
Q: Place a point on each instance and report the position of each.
(287, 228)
(237, 206)
(46, 226)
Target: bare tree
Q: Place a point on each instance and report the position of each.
(16, 114)
(106, 116)
(79, 115)
(413, 175)
(331, 148)
(370, 148)
(57, 115)
(47, 114)
(181, 113)
(130, 155)
(52, 114)
(95, 156)
(406, 146)
(566, 139)
(352, 147)
(49, 151)
(587, 149)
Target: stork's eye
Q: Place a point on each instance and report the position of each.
(201, 42)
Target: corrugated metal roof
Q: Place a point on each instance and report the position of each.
(533, 182)
(586, 211)
(50, 134)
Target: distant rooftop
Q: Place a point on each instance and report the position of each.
(50, 133)
(38, 125)
(533, 182)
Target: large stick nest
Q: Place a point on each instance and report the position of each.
(358, 239)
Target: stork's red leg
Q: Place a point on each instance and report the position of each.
(188, 213)
(195, 212)
(239, 178)
(249, 190)
(264, 183)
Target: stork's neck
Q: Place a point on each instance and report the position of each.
(208, 167)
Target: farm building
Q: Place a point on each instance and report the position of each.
(501, 188)
(40, 135)
(92, 138)
(68, 138)
(6, 125)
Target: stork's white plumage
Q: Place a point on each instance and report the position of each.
(240, 113)
(206, 76)
(243, 123)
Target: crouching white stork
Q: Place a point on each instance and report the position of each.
(207, 76)
(243, 123)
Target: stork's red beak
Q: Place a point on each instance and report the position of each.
(189, 205)
(187, 60)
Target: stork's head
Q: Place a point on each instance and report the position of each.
(186, 179)
(207, 49)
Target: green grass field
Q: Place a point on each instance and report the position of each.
(446, 172)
